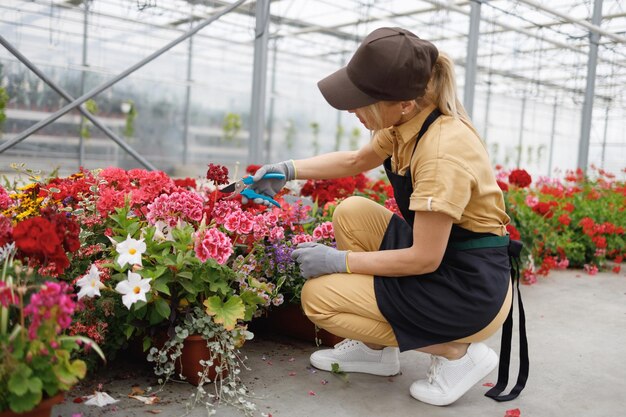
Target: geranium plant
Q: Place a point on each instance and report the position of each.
(36, 354)
(578, 221)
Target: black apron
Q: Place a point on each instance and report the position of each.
(461, 297)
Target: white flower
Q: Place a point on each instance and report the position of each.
(130, 251)
(100, 399)
(90, 284)
(163, 232)
(133, 289)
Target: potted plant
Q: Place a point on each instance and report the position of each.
(177, 261)
(37, 363)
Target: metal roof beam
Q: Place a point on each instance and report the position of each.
(591, 27)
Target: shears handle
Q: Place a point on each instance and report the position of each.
(270, 175)
(251, 195)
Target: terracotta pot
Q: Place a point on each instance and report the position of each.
(290, 320)
(43, 409)
(195, 350)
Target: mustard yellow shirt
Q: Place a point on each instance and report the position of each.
(450, 169)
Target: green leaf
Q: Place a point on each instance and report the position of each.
(160, 284)
(19, 381)
(162, 307)
(85, 340)
(128, 331)
(185, 274)
(26, 402)
(189, 287)
(225, 313)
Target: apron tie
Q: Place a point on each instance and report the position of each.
(495, 393)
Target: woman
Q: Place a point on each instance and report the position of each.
(437, 280)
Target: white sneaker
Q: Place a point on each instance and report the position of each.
(355, 356)
(449, 380)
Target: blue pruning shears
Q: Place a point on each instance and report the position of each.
(242, 187)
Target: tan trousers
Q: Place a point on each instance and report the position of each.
(345, 304)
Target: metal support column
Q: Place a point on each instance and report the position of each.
(487, 108)
(83, 76)
(97, 90)
(259, 80)
(606, 132)
(187, 100)
(521, 133)
(585, 129)
(552, 135)
(471, 60)
(270, 117)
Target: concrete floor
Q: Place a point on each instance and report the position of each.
(577, 335)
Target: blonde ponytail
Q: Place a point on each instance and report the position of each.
(441, 90)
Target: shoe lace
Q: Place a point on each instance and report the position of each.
(435, 366)
(345, 343)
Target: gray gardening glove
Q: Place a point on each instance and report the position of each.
(316, 259)
(270, 187)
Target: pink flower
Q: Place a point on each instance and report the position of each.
(180, 205)
(212, 243)
(7, 296)
(324, 231)
(239, 222)
(277, 233)
(529, 276)
(223, 209)
(531, 200)
(301, 238)
(591, 269)
(55, 301)
(563, 263)
(5, 200)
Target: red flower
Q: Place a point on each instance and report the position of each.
(513, 413)
(564, 219)
(520, 178)
(188, 183)
(503, 185)
(218, 174)
(324, 191)
(544, 209)
(252, 168)
(46, 239)
(514, 234)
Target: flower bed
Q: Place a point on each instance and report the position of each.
(138, 255)
(577, 222)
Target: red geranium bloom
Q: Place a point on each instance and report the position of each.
(252, 168)
(503, 185)
(520, 177)
(514, 234)
(218, 174)
(564, 219)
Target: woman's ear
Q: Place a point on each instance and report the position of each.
(407, 107)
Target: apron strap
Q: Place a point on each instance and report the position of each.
(495, 393)
(429, 120)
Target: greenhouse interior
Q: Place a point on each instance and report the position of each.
(182, 223)
(544, 85)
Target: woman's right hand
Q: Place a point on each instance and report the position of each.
(271, 186)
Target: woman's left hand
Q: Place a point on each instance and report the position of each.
(316, 259)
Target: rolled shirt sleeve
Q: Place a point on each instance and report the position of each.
(443, 185)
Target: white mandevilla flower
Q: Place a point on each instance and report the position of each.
(133, 289)
(130, 251)
(90, 284)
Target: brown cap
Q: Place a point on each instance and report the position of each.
(391, 64)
